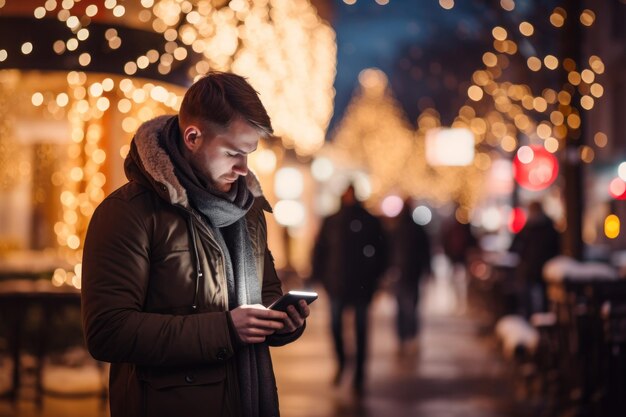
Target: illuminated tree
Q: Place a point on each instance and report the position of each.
(375, 136)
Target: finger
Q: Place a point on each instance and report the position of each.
(254, 315)
(255, 331)
(294, 316)
(293, 322)
(266, 324)
(304, 309)
(300, 313)
(290, 327)
(257, 310)
(270, 314)
(253, 339)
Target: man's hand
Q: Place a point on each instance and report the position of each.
(255, 322)
(295, 317)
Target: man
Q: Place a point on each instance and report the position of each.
(536, 244)
(411, 261)
(349, 258)
(176, 266)
(459, 245)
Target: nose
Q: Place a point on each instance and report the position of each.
(241, 167)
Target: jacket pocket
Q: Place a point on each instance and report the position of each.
(182, 392)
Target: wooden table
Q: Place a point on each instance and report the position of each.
(16, 298)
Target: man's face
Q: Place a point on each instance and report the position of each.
(221, 155)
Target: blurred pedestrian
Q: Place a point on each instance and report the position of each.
(536, 243)
(349, 258)
(411, 260)
(458, 242)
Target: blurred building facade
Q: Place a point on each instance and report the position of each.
(75, 87)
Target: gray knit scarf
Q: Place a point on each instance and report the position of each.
(225, 215)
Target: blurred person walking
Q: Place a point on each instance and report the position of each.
(176, 268)
(349, 258)
(458, 242)
(536, 243)
(410, 262)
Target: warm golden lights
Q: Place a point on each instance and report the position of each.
(574, 77)
(475, 93)
(507, 5)
(596, 64)
(534, 63)
(508, 143)
(557, 18)
(557, 118)
(540, 104)
(612, 226)
(544, 131)
(587, 17)
(289, 55)
(573, 121)
(490, 59)
(499, 33)
(551, 144)
(587, 154)
(526, 29)
(551, 62)
(446, 4)
(27, 48)
(273, 44)
(586, 102)
(600, 139)
(597, 90)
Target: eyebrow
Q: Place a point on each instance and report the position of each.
(241, 151)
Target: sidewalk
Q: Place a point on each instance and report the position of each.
(456, 372)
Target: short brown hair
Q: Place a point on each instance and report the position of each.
(219, 97)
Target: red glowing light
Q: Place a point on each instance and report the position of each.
(538, 173)
(617, 189)
(517, 219)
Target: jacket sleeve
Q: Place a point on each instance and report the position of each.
(270, 294)
(272, 286)
(272, 290)
(115, 279)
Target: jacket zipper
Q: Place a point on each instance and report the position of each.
(215, 245)
(192, 228)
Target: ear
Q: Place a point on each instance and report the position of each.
(192, 137)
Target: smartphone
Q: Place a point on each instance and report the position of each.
(292, 298)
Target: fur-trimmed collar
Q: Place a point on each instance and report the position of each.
(158, 165)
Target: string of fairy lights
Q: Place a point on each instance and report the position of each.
(284, 49)
(518, 117)
(9, 166)
(544, 117)
(86, 101)
(501, 114)
(288, 54)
